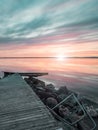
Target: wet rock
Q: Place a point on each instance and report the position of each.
(63, 90)
(44, 95)
(62, 93)
(64, 111)
(92, 111)
(50, 87)
(51, 102)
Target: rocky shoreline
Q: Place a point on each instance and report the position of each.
(64, 104)
(51, 97)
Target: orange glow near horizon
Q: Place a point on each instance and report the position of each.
(88, 66)
(88, 49)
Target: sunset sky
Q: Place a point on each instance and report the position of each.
(59, 37)
(48, 28)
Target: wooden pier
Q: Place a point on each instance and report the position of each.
(26, 74)
(20, 107)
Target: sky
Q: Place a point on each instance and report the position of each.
(52, 28)
(48, 28)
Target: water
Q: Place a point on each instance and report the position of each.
(78, 74)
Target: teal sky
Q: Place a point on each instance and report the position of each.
(32, 21)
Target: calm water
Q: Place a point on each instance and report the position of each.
(80, 75)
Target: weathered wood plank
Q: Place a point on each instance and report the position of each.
(20, 108)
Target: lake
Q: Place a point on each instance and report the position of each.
(78, 74)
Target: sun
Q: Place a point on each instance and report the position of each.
(60, 57)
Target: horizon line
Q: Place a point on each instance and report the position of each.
(47, 57)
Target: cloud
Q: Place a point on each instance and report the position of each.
(26, 20)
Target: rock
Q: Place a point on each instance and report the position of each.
(63, 90)
(92, 111)
(51, 102)
(44, 95)
(64, 111)
(50, 87)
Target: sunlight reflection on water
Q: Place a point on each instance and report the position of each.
(78, 74)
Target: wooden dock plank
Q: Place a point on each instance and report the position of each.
(20, 107)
